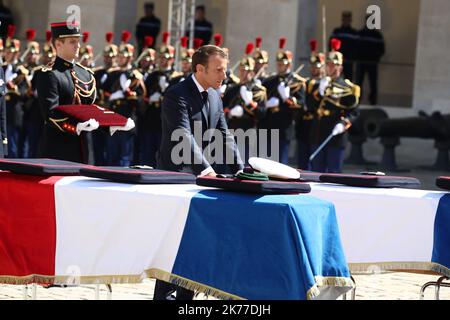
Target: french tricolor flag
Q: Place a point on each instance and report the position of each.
(76, 229)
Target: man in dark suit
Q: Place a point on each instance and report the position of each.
(187, 105)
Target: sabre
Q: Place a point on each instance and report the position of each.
(324, 30)
(289, 78)
(321, 147)
(347, 125)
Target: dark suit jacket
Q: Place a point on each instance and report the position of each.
(180, 109)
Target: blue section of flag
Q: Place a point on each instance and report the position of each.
(441, 239)
(260, 247)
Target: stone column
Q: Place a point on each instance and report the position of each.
(432, 76)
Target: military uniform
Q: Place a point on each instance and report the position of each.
(125, 90)
(338, 103)
(65, 83)
(32, 119)
(280, 109)
(15, 78)
(304, 117)
(100, 137)
(156, 85)
(3, 132)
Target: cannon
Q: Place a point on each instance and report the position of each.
(357, 135)
(436, 126)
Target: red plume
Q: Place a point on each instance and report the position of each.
(148, 41)
(109, 37)
(258, 42)
(126, 35)
(249, 48)
(197, 43)
(335, 44)
(218, 39)
(165, 37)
(30, 34)
(184, 41)
(48, 35)
(11, 30)
(313, 45)
(282, 43)
(86, 35)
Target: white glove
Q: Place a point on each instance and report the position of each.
(323, 84)
(127, 127)
(124, 82)
(116, 95)
(246, 95)
(338, 129)
(237, 111)
(284, 91)
(89, 125)
(272, 102)
(163, 84)
(223, 88)
(103, 79)
(155, 97)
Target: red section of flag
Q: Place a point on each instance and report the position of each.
(27, 225)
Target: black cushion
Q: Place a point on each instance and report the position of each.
(443, 182)
(370, 181)
(138, 176)
(41, 167)
(254, 186)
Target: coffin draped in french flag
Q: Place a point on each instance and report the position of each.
(75, 229)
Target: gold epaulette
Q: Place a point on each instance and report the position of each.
(356, 90)
(48, 67)
(311, 82)
(85, 68)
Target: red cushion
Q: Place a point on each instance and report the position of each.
(84, 112)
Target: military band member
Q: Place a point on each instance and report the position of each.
(86, 52)
(186, 61)
(338, 108)
(156, 84)
(261, 60)
(100, 137)
(147, 59)
(304, 118)
(285, 93)
(65, 82)
(125, 90)
(48, 51)
(32, 119)
(244, 103)
(3, 132)
(16, 84)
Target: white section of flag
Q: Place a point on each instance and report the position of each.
(106, 228)
(383, 224)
